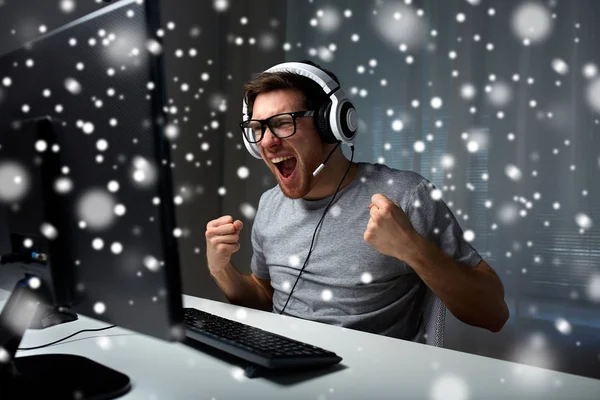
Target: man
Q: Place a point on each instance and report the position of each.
(383, 242)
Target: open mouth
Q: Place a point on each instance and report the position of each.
(286, 167)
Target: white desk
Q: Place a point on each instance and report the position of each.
(373, 367)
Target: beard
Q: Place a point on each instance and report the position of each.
(303, 180)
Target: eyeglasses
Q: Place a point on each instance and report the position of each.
(282, 125)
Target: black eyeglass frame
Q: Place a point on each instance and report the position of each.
(267, 122)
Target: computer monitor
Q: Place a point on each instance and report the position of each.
(85, 178)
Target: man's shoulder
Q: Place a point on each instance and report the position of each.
(268, 201)
(271, 194)
(406, 179)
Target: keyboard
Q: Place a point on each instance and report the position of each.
(259, 347)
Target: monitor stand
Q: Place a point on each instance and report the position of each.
(47, 316)
(62, 376)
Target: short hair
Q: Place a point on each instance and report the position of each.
(265, 82)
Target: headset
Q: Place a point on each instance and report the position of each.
(336, 121)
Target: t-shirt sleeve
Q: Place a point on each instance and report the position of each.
(433, 220)
(258, 263)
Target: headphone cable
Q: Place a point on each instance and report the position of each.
(65, 338)
(319, 223)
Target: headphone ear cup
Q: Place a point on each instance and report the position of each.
(322, 123)
(348, 120)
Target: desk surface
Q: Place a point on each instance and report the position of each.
(373, 367)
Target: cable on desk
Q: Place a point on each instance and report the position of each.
(65, 338)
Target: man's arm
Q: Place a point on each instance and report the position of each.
(244, 290)
(474, 295)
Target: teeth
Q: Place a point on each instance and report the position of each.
(280, 159)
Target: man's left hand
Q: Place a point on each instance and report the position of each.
(389, 230)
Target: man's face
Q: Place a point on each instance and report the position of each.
(305, 146)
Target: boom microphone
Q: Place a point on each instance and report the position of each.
(327, 159)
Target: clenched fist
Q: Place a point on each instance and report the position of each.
(222, 240)
(389, 230)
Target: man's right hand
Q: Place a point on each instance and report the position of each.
(222, 240)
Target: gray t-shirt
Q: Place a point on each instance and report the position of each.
(346, 282)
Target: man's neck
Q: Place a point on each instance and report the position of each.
(327, 185)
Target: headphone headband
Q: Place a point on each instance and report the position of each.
(327, 83)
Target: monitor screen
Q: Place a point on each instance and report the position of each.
(85, 167)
